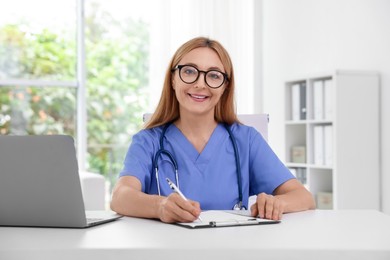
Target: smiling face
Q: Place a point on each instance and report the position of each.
(197, 98)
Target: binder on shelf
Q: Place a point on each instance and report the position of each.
(318, 100)
(318, 143)
(295, 103)
(302, 101)
(328, 99)
(328, 145)
(298, 101)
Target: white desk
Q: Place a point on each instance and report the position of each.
(347, 234)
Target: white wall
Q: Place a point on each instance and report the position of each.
(303, 37)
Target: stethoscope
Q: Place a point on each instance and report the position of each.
(162, 150)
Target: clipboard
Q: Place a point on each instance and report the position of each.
(231, 218)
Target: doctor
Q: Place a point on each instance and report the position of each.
(195, 139)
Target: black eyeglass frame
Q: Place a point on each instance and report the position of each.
(179, 67)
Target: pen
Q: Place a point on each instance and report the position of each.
(234, 223)
(176, 189)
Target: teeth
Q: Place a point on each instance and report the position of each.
(195, 96)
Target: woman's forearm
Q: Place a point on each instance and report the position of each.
(297, 200)
(130, 201)
(295, 196)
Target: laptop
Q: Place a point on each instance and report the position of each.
(40, 184)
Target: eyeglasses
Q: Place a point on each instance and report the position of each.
(189, 74)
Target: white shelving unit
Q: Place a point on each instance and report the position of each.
(350, 173)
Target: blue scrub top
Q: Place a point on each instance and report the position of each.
(211, 176)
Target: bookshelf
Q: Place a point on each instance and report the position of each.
(332, 121)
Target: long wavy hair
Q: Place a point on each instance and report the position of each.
(168, 106)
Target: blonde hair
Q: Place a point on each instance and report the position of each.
(168, 107)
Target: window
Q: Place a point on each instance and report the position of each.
(38, 68)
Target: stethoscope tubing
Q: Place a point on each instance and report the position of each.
(237, 159)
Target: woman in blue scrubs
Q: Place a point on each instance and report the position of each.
(187, 140)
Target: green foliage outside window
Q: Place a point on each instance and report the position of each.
(117, 76)
(33, 110)
(117, 65)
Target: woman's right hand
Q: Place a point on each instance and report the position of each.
(129, 200)
(174, 208)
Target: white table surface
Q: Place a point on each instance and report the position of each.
(317, 234)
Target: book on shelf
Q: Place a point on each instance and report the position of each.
(328, 99)
(298, 101)
(323, 145)
(295, 96)
(328, 145)
(318, 144)
(318, 100)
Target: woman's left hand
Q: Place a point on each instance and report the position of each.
(291, 196)
(268, 206)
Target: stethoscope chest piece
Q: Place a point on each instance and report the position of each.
(239, 206)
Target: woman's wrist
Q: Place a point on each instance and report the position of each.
(158, 206)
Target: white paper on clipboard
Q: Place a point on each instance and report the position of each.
(220, 218)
